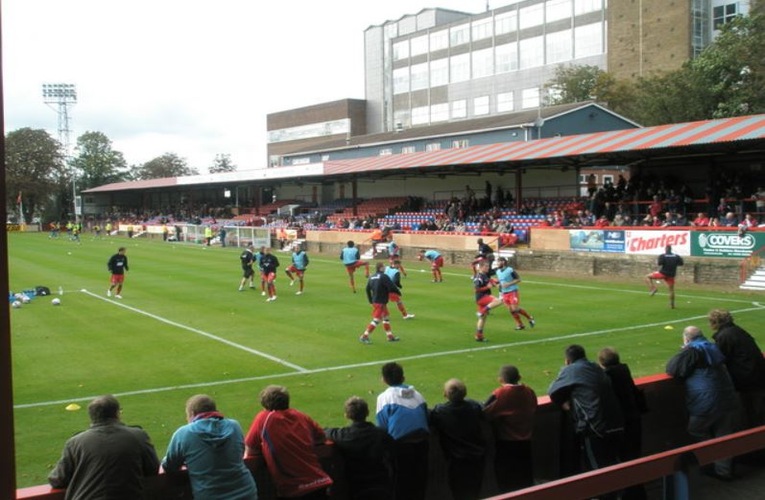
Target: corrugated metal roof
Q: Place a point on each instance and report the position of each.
(681, 135)
(149, 183)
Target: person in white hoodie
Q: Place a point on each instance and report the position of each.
(212, 449)
(403, 413)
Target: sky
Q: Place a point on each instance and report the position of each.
(195, 78)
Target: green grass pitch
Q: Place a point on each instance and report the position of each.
(182, 328)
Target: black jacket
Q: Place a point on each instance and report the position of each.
(743, 357)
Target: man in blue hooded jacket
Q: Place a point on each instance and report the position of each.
(212, 448)
(709, 394)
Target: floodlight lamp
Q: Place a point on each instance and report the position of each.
(59, 92)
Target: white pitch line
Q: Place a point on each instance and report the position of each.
(379, 362)
(200, 332)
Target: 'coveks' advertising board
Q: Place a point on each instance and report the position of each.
(726, 244)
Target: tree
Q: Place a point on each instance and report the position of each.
(222, 164)
(732, 69)
(97, 163)
(577, 84)
(34, 169)
(167, 165)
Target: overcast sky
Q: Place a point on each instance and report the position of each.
(190, 77)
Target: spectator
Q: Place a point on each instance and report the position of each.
(730, 220)
(367, 452)
(602, 222)
(759, 201)
(746, 224)
(710, 397)
(285, 439)
(632, 403)
(212, 449)
(403, 413)
(510, 409)
(701, 220)
(458, 423)
(582, 389)
(108, 460)
(656, 207)
(745, 363)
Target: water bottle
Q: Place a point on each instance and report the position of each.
(60, 290)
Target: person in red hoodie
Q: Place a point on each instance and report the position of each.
(284, 439)
(510, 410)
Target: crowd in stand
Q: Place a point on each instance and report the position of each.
(646, 201)
(724, 379)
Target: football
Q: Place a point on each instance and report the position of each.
(56, 301)
(16, 304)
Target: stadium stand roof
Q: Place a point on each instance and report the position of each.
(610, 147)
(675, 142)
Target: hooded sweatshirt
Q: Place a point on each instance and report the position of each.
(212, 448)
(402, 411)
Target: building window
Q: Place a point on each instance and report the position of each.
(723, 14)
(530, 98)
(421, 115)
(555, 10)
(401, 50)
(481, 105)
(531, 52)
(558, 47)
(401, 80)
(588, 40)
(401, 119)
(459, 35)
(483, 63)
(439, 40)
(506, 58)
(533, 15)
(459, 109)
(459, 68)
(461, 143)
(433, 146)
(507, 22)
(419, 76)
(585, 6)
(482, 29)
(439, 72)
(505, 102)
(407, 150)
(418, 45)
(386, 152)
(439, 112)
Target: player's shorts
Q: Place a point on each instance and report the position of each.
(117, 279)
(394, 297)
(293, 269)
(380, 311)
(659, 276)
(352, 267)
(483, 302)
(247, 272)
(269, 276)
(438, 263)
(511, 298)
